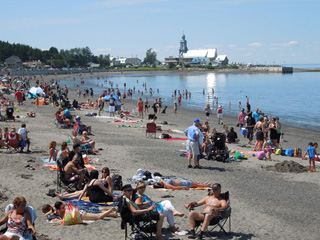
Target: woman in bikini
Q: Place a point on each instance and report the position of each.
(179, 184)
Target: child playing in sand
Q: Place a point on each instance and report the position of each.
(266, 152)
(50, 213)
(311, 151)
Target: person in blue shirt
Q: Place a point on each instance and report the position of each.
(193, 134)
(311, 151)
(67, 113)
(256, 115)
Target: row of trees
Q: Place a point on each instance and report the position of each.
(64, 58)
(75, 57)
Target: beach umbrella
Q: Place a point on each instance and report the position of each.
(3, 87)
(114, 96)
(36, 90)
(4, 80)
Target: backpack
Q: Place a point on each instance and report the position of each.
(165, 135)
(278, 151)
(289, 152)
(116, 181)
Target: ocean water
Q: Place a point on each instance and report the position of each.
(294, 98)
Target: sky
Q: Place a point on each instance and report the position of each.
(247, 31)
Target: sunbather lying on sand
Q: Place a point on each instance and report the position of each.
(179, 184)
(60, 210)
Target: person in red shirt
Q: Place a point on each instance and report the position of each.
(18, 96)
(14, 139)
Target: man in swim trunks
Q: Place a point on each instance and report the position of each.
(140, 108)
(213, 204)
(73, 173)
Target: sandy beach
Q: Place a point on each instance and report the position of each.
(265, 204)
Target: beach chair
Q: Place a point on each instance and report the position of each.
(151, 129)
(220, 221)
(33, 214)
(9, 114)
(62, 183)
(142, 225)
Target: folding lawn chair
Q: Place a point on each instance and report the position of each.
(221, 220)
(142, 225)
(69, 185)
(151, 130)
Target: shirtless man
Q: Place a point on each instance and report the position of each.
(100, 105)
(86, 139)
(213, 203)
(71, 170)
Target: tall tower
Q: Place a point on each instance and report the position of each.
(183, 46)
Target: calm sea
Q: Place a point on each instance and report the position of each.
(292, 97)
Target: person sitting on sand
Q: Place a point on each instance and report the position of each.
(164, 207)
(2, 142)
(53, 151)
(18, 221)
(179, 184)
(213, 204)
(232, 136)
(64, 151)
(96, 191)
(62, 120)
(105, 180)
(127, 196)
(82, 126)
(72, 172)
(85, 215)
(85, 139)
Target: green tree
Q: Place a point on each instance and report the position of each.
(151, 57)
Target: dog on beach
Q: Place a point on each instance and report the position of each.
(151, 116)
(164, 110)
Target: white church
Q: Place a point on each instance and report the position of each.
(197, 57)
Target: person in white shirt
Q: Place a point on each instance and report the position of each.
(24, 135)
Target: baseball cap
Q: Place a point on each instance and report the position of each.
(216, 186)
(197, 120)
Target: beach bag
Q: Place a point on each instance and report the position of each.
(278, 151)
(71, 215)
(117, 182)
(289, 152)
(238, 155)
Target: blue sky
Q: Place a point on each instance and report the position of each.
(258, 31)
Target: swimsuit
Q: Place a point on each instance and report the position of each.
(96, 194)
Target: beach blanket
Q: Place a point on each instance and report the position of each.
(175, 131)
(125, 121)
(105, 117)
(248, 152)
(166, 190)
(130, 126)
(175, 139)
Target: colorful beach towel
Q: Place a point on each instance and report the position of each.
(175, 139)
(130, 126)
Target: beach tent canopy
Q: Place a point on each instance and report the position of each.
(4, 80)
(3, 87)
(36, 90)
(114, 96)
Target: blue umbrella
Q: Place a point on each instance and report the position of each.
(108, 97)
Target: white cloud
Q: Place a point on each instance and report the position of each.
(291, 43)
(156, 50)
(255, 44)
(248, 54)
(232, 45)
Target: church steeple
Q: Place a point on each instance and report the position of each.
(183, 45)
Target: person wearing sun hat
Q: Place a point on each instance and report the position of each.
(14, 139)
(193, 134)
(213, 204)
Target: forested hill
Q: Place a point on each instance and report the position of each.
(63, 58)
